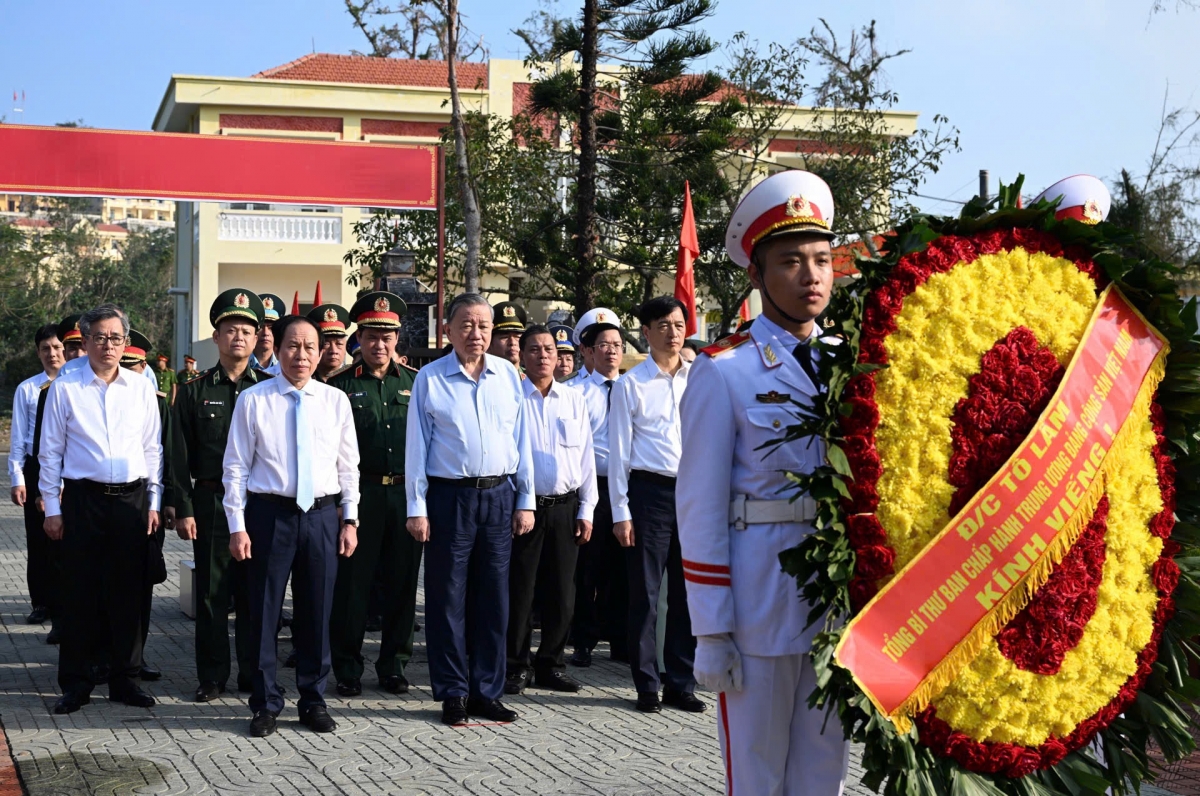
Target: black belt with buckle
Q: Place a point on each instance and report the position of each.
(290, 502)
(553, 500)
(652, 478)
(486, 482)
(385, 480)
(109, 490)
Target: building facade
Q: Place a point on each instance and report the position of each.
(287, 249)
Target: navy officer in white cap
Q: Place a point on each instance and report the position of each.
(735, 516)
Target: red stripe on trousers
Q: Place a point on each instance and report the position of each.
(728, 753)
(714, 568)
(706, 580)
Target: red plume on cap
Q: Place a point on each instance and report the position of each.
(317, 301)
(296, 303)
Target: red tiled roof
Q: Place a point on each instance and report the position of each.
(39, 223)
(370, 70)
(112, 228)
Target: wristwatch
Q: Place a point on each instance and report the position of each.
(350, 522)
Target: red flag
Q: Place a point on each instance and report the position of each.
(296, 303)
(689, 250)
(744, 310)
(317, 296)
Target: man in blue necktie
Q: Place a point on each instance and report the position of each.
(291, 461)
(469, 480)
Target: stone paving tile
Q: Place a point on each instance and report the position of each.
(591, 743)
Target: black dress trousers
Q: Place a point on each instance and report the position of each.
(103, 566)
(543, 571)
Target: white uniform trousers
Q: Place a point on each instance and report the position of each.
(771, 741)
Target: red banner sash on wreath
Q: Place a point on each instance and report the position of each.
(74, 161)
(934, 616)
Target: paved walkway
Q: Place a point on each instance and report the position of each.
(587, 743)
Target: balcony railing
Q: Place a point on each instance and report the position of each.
(279, 228)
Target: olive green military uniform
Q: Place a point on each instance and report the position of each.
(380, 409)
(203, 412)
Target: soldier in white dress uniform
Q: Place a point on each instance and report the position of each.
(752, 645)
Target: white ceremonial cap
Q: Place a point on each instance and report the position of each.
(595, 315)
(1084, 198)
(787, 202)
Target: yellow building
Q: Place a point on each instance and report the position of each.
(284, 249)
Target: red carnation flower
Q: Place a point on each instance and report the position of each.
(874, 561)
(864, 530)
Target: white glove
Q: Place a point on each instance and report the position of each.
(718, 664)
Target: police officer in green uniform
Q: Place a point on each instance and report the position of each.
(333, 321)
(134, 358)
(378, 388)
(203, 411)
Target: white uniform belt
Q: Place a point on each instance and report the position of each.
(745, 511)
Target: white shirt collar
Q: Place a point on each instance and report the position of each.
(121, 373)
(286, 387)
(527, 386)
(654, 371)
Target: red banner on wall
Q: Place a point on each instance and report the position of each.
(930, 620)
(71, 161)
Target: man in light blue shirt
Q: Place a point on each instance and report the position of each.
(469, 480)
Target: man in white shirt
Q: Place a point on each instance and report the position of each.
(291, 460)
(101, 480)
(601, 587)
(543, 560)
(643, 459)
(39, 569)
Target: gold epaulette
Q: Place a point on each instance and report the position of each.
(45, 386)
(160, 393)
(198, 376)
(726, 344)
(339, 371)
(406, 367)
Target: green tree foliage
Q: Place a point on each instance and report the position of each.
(65, 268)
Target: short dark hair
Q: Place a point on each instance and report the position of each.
(104, 312)
(466, 300)
(660, 307)
(288, 321)
(533, 330)
(45, 333)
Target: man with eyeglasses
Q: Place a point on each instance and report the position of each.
(101, 479)
(601, 587)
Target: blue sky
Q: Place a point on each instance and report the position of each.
(1047, 88)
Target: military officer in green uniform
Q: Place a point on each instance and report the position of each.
(333, 321)
(378, 389)
(135, 358)
(203, 411)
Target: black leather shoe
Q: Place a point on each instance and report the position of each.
(490, 709)
(208, 691)
(149, 673)
(516, 682)
(454, 711)
(100, 673)
(317, 719)
(689, 702)
(394, 684)
(290, 663)
(556, 680)
(582, 657)
(648, 702)
(374, 624)
(69, 703)
(134, 697)
(53, 636)
(263, 724)
(349, 688)
(38, 615)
